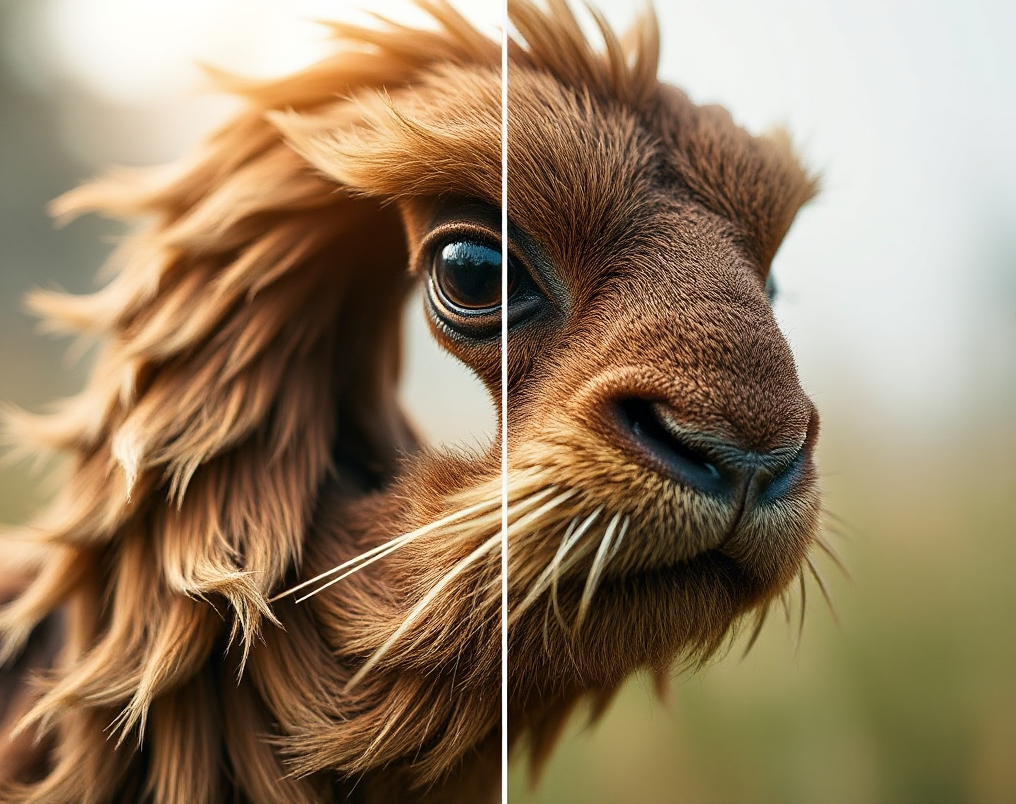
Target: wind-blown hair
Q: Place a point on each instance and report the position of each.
(250, 350)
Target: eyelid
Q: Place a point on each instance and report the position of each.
(446, 233)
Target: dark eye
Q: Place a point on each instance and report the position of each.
(467, 274)
(465, 286)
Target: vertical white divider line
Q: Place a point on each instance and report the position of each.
(504, 401)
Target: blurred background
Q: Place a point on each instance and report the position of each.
(897, 292)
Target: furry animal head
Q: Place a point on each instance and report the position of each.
(655, 418)
(240, 434)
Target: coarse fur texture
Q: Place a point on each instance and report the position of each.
(240, 433)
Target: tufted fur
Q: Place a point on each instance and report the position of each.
(240, 434)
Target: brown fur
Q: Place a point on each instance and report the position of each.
(656, 220)
(240, 432)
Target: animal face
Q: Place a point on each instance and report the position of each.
(653, 390)
(240, 439)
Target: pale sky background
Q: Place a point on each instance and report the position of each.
(898, 285)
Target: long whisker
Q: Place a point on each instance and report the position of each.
(760, 620)
(571, 535)
(804, 605)
(521, 525)
(461, 566)
(599, 560)
(381, 551)
(785, 605)
(558, 565)
(827, 548)
(538, 587)
(366, 557)
(390, 546)
(823, 588)
(845, 528)
(620, 537)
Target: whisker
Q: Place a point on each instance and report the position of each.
(845, 528)
(491, 544)
(571, 535)
(538, 588)
(620, 538)
(760, 620)
(827, 548)
(543, 578)
(523, 522)
(599, 560)
(804, 605)
(558, 564)
(785, 604)
(546, 628)
(389, 546)
(823, 588)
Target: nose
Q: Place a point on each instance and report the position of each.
(709, 464)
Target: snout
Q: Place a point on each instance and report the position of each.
(710, 464)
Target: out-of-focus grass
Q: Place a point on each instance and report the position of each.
(912, 700)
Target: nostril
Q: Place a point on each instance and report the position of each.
(708, 464)
(776, 484)
(669, 446)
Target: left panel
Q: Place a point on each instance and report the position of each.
(262, 559)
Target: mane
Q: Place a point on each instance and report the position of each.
(224, 394)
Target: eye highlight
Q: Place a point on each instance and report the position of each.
(464, 285)
(467, 275)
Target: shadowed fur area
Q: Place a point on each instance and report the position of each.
(255, 583)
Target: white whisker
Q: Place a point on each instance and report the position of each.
(529, 500)
(523, 522)
(494, 542)
(540, 584)
(599, 560)
(558, 565)
(620, 537)
(390, 548)
(367, 557)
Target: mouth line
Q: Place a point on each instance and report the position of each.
(712, 565)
